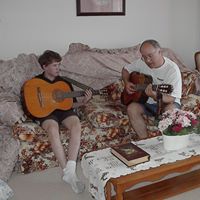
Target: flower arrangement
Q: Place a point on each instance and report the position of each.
(178, 122)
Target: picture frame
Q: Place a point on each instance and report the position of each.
(100, 7)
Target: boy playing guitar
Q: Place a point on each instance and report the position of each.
(50, 62)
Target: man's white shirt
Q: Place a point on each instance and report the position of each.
(168, 73)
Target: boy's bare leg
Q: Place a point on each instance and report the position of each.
(52, 129)
(70, 176)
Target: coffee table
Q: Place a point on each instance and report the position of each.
(159, 190)
(106, 172)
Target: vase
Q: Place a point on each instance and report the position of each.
(175, 142)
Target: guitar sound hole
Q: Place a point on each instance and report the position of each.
(58, 95)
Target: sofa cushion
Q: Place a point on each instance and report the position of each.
(28, 131)
(35, 151)
(106, 114)
(96, 67)
(111, 114)
(114, 90)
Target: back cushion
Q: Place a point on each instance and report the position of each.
(99, 68)
(96, 67)
(14, 72)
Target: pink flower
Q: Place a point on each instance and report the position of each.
(176, 121)
(177, 128)
(194, 122)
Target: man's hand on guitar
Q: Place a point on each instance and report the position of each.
(130, 88)
(150, 92)
(87, 96)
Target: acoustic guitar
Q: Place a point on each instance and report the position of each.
(41, 98)
(140, 82)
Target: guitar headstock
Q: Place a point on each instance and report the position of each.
(164, 88)
(103, 92)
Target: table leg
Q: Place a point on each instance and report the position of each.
(108, 190)
(119, 193)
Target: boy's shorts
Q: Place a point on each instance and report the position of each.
(58, 115)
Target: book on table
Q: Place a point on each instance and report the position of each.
(130, 154)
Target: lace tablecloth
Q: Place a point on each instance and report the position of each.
(99, 166)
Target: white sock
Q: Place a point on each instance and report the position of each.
(71, 178)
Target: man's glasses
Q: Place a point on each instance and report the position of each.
(149, 56)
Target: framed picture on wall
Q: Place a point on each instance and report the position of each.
(100, 7)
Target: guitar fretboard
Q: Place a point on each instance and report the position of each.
(79, 93)
(140, 87)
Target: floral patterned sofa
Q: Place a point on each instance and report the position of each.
(104, 120)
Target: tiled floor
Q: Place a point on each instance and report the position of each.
(47, 185)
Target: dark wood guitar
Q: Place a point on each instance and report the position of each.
(141, 81)
(41, 98)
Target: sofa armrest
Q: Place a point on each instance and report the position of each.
(197, 60)
(9, 148)
(189, 79)
(10, 110)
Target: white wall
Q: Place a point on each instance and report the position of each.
(28, 26)
(185, 29)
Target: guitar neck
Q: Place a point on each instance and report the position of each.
(141, 87)
(79, 93)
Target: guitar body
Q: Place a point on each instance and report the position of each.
(42, 98)
(139, 96)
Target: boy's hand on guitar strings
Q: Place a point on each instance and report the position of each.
(87, 96)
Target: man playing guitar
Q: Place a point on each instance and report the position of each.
(162, 70)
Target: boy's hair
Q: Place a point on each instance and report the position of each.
(49, 57)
